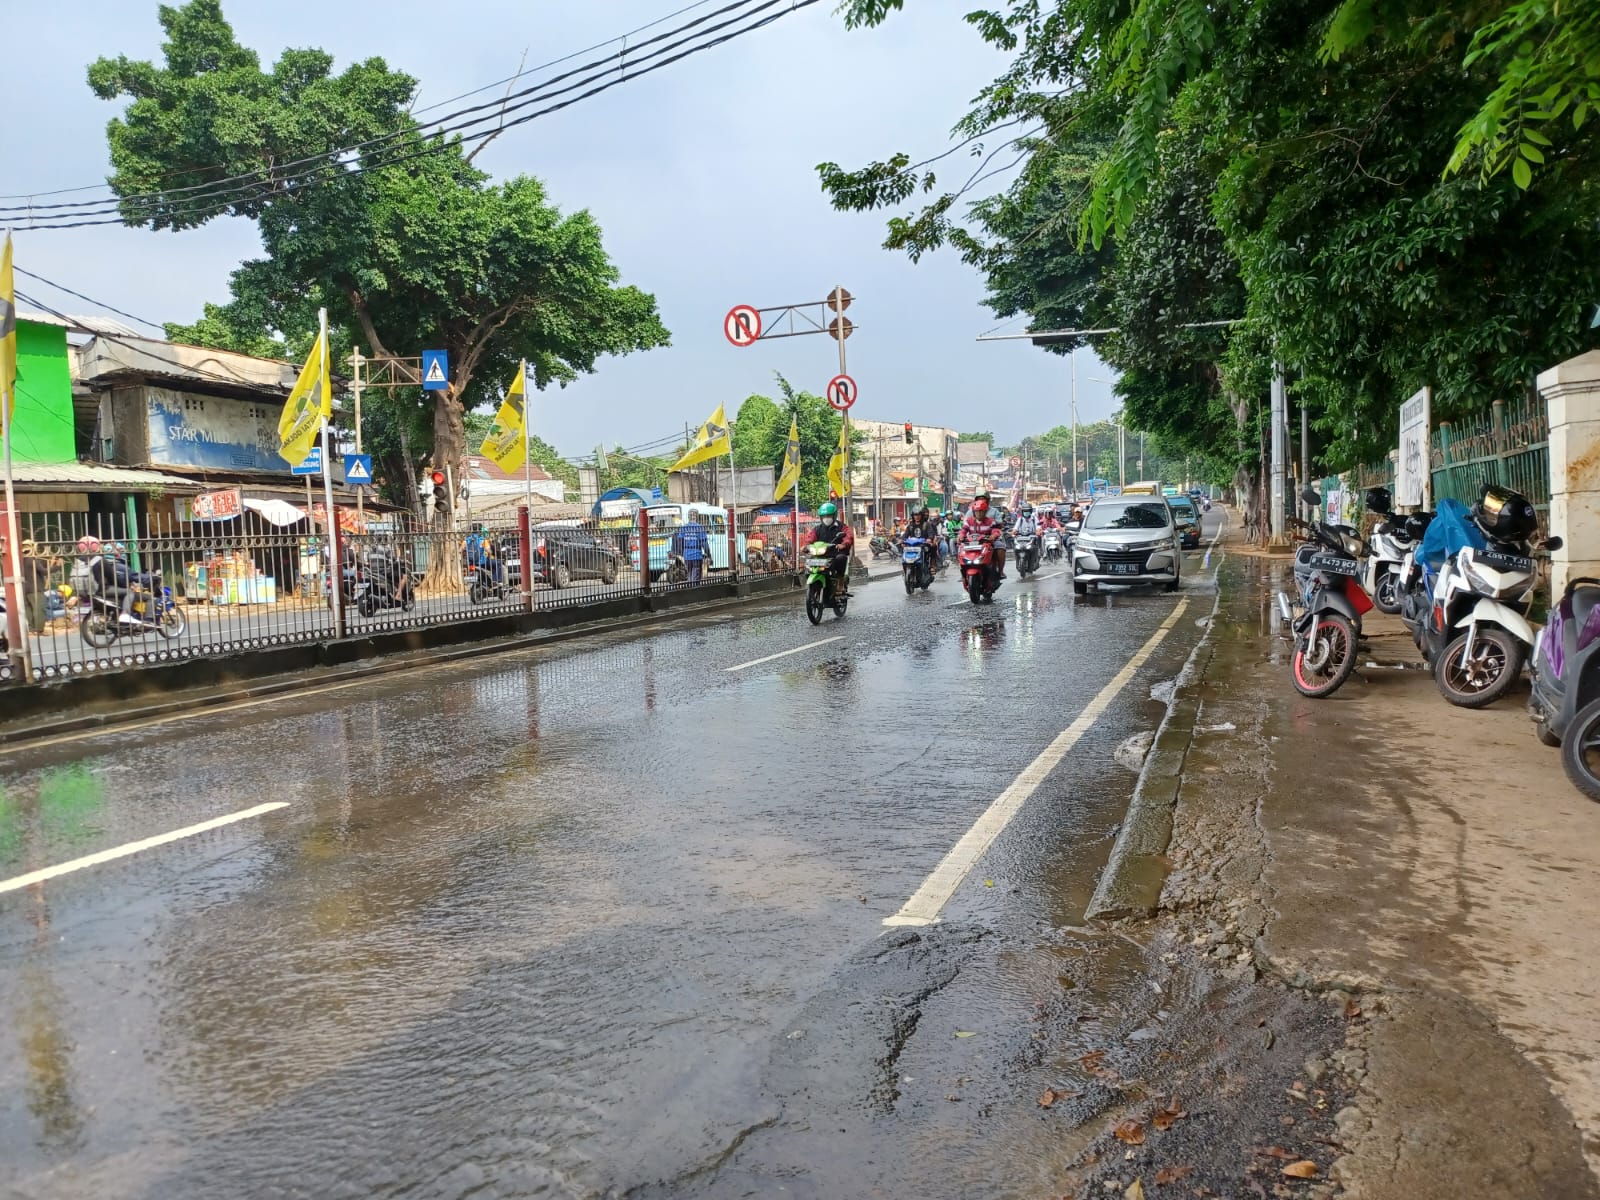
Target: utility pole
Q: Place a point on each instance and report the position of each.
(1073, 356)
(1305, 448)
(1280, 434)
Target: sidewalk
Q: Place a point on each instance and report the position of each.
(1433, 863)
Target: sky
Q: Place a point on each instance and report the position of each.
(702, 176)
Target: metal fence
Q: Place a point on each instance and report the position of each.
(101, 595)
(1508, 446)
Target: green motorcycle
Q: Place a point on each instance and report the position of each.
(821, 585)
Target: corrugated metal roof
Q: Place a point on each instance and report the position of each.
(92, 475)
(80, 322)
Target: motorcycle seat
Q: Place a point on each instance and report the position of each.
(1585, 598)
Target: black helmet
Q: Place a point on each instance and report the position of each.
(1379, 500)
(1504, 515)
(1417, 524)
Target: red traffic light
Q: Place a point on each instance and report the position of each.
(908, 433)
(438, 478)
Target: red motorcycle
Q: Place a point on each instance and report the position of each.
(978, 573)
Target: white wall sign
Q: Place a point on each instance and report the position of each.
(1413, 484)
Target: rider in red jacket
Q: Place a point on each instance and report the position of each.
(980, 526)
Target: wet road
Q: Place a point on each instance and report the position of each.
(593, 919)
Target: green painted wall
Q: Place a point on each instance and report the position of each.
(41, 430)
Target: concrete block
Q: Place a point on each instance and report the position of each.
(1575, 518)
(1575, 457)
(1571, 389)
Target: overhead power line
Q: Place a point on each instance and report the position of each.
(199, 201)
(90, 299)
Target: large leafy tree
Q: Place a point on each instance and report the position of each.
(1294, 163)
(761, 430)
(405, 241)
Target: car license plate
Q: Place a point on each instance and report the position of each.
(1124, 568)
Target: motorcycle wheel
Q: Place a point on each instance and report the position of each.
(975, 589)
(172, 625)
(479, 593)
(367, 605)
(97, 630)
(839, 605)
(1580, 750)
(1496, 665)
(911, 583)
(1387, 594)
(1322, 674)
(814, 603)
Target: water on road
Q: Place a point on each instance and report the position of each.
(583, 920)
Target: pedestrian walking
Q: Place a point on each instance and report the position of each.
(35, 582)
(692, 544)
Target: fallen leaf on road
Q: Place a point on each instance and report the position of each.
(1052, 1095)
(965, 1033)
(1093, 1059)
(1304, 1169)
(1135, 1191)
(1172, 1174)
(1165, 1116)
(1276, 1152)
(1130, 1131)
(1352, 1010)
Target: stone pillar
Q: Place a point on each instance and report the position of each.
(1571, 391)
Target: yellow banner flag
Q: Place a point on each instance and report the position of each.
(789, 474)
(710, 442)
(507, 440)
(308, 406)
(839, 464)
(8, 331)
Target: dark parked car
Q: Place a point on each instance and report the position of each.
(1187, 515)
(562, 553)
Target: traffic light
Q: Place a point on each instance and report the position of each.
(441, 494)
(909, 436)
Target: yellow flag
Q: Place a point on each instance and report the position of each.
(507, 441)
(711, 442)
(839, 464)
(789, 475)
(308, 406)
(8, 331)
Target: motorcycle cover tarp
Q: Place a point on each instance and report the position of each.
(1451, 530)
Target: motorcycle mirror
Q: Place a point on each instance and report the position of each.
(1309, 495)
(1553, 544)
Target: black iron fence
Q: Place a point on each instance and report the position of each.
(100, 595)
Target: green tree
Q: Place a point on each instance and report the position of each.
(762, 431)
(421, 253)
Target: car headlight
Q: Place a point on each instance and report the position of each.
(1088, 543)
(1155, 544)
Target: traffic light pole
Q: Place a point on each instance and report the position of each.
(335, 563)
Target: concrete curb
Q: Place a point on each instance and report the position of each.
(1131, 883)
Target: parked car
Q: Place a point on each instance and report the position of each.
(563, 553)
(1188, 521)
(1127, 539)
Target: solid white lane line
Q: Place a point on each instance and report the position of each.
(1042, 578)
(756, 662)
(105, 856)
(924, 907)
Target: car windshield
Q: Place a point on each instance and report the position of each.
(1182, 507)
(1147, 515)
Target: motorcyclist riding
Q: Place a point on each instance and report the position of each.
(981, 526)
(840, 536)
(921, 525)
(112, 576)
(1026, 524)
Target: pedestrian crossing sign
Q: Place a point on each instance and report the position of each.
(357, 468)
(435, 370)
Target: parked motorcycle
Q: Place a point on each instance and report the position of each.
(154, 610)
(386, 581)
(823, 588)
(1026, 546)
(1331, 603)
(1391, 542)
(979, 575)
(882, 547)
(1476, 633)
(916, 564)
(1566, 683)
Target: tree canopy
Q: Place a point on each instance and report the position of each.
(761, 431)
(1379, 194)
(405, 242)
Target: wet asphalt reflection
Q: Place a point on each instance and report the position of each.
(543, 924)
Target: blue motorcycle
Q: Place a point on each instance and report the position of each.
(916, 564)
